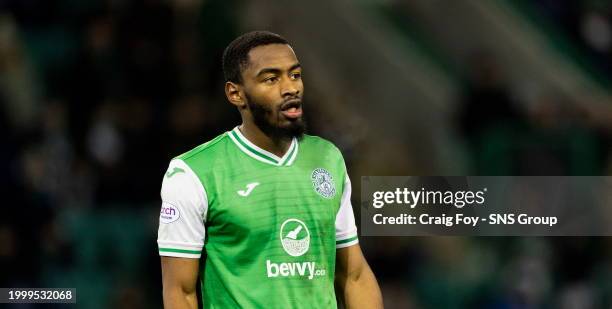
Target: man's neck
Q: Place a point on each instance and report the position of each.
(276, 146)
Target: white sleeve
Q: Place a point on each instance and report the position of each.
(346, 231)
(183, 212)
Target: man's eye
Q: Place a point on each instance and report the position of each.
(271, 80)
(296, 75)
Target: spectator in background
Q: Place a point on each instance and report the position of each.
(486, 101)
(486, 105)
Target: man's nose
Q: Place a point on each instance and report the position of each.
(289, 88)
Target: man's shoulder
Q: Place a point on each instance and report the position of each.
(206, 150)
(319, 145)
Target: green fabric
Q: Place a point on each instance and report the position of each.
(246, 263)
(344, 241)
(179, 250)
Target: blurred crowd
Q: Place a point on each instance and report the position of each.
(97, 96)
(509, 130)
(546, 133)
(586, 23)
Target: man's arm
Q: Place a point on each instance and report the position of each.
(179, 278)
(181, 234)
(355, 281)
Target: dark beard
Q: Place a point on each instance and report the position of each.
(260, 117)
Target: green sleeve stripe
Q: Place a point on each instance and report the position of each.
(344, 241)
(255, 152)
(179, 251)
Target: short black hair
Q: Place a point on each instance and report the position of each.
(236, 54)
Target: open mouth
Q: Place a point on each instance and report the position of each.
(292, 109)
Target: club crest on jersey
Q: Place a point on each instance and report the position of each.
(295, 237)
(323, 183)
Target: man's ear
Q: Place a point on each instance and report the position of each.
(234, 94)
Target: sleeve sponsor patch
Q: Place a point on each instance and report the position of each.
(169, 213)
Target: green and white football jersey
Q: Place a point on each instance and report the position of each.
(269, 226)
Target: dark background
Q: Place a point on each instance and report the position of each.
(97, 96)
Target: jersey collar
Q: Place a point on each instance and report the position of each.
(261, 154)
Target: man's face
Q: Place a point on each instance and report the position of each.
(272, 84)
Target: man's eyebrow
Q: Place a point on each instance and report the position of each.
(276, 71)
(295, 66)
(267, 70)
